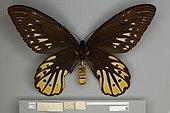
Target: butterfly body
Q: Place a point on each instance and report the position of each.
(82, 63)
(45, 35)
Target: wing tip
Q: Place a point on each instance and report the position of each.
(149, 5)
(14, 7)
(10, 8)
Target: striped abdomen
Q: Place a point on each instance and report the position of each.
(82, 73)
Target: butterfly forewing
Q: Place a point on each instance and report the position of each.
(112, 73)
(49, 78)
(41, 33)
(122, 32)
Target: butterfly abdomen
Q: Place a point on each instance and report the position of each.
(82, 73)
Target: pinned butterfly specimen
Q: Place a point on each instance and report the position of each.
(119, 34)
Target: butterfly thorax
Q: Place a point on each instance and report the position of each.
(82, 64)
(82, 50)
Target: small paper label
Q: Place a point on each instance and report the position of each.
(31, 105)
(81, 105)
(46, 106)
(69, 105)
(118, 108)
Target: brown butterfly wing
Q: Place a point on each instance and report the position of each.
(122, 32)
(117, 35)
(49, 78)
(41, 33)
(113, 75)
(44, 35)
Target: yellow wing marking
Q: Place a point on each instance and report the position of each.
(41, 84)
(41, 74)
(98, 73)
(60, 82)
(45, 65)
(119, 65)
(121, 73)
(58, 86)
(49, 87)
(65, 72)
(122, 83)
(114, 86)
(100, 77)
(51, 58)
(105, 83)
(113, 58)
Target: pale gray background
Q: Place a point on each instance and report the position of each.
(148, 62)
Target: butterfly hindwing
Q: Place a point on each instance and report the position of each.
(113, 75)
(41, 33)
(122, 32)
(49, 78)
